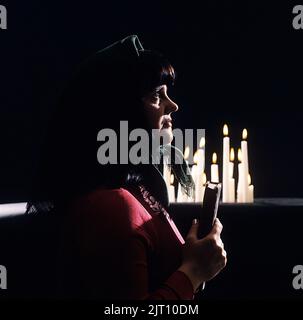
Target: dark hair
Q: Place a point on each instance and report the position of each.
(100, 95)
(154, 70)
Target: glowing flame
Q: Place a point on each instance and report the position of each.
(196, 156)
(244, 134)
(204, 179)
(202, 143)
(171, 179)
(240, 155)
(232, 154)
(186, 152)
(249, 179)
(225, 130)
(214, 158)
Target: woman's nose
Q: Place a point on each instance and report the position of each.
(171, 106)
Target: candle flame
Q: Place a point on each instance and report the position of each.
(186, 152)
(244, 134)
(225, 130)
(232, 154)
(196, 156)
(204, 179)
(171, 179)
(202, 142)
(214, 158)
(249, 179)
(240, 155)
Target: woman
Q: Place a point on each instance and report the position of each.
(122, 239)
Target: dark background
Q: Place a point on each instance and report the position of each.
(238, 62)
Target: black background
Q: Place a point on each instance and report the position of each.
(238, 62)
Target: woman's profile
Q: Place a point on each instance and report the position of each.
(124, 243)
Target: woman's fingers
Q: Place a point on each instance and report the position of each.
(193, 231)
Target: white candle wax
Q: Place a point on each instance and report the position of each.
(199, 187)
(231, 180)
(225, 171)
(171, 193)
(244, 151)
(201, 154)
(231, 169)
(240, 180)
(214, 169)
(250, 190)
(251, 193)
(201, 160)
(214, 173)
(194, 171)
(231, 190)
(231, 163)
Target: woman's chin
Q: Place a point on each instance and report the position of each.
(167, 135)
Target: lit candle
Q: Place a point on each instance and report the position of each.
(240, 174)
(199, 186)
(250, 190)
(231, 163)
(194, 168)
(204, 179)
(245, 169)
(201, 155)
(231, 189)
(214, 169)
(198, 169)
(194, 175)
(171, 189)
(231, 180)
(225, 185)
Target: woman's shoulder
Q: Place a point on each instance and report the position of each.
(113, 202)
(112, 212)
(112, 197)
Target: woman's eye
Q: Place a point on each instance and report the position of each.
(156, 96)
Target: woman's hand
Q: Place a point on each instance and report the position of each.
(203, 258)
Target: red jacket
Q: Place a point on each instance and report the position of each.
(129, 247)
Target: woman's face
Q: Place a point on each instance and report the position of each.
(158, 108)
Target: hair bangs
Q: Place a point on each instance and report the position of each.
(154, 71)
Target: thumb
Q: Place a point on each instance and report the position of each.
(193, 231)
(217, 228)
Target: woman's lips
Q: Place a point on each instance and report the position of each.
(167, 122)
